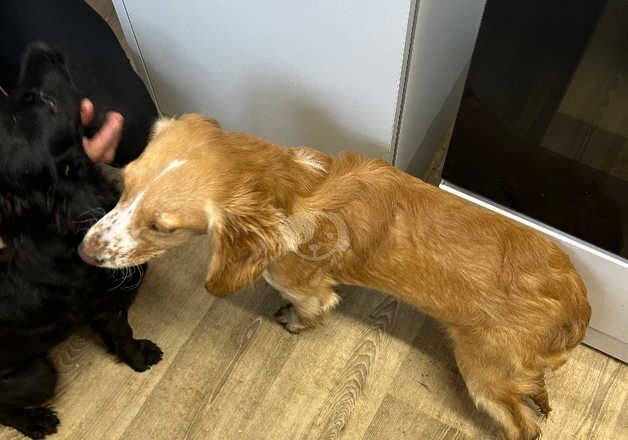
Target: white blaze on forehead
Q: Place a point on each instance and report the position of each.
(115, 226)
(171, 166)
(119, 219)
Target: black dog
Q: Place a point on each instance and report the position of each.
(50, 194)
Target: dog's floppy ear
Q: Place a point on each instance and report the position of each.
(245, 242)
(26, 165)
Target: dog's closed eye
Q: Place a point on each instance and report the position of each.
(29, 98)
(161, 225)
(172, 222)
(153, 227)
(37, 96)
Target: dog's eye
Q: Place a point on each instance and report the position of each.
(28, 98)
(154, 227)
(39, 97)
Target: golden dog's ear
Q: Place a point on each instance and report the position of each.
(247, 241)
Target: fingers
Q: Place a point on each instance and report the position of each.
(87, 111)
(102, 146)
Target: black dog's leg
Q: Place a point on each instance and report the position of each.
(28, 386)
(115, 330)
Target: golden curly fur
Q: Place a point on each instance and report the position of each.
(510, 299)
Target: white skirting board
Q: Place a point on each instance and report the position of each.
(605, 274)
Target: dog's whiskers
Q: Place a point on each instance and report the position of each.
(97, 210)
(125, 272)
(86, 219)
(140, 269)
(92, 214)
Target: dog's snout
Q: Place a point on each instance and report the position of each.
(88, 255)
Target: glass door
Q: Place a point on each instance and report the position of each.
(542, 132)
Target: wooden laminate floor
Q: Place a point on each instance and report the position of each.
(377, 369)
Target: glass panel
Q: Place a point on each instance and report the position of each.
(543, 124)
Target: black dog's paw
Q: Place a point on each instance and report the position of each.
(35, 423)
(141, 354)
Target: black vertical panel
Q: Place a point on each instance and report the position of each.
(525, 55)
(524, 61)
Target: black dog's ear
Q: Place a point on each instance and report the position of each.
(25, 166)
(26, 174)
(16, 210)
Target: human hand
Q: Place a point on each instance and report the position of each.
(101, 148)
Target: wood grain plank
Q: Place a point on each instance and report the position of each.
(327, 366)
(588, 396)
(354, 377)
(10, 434)
(201, 368)
(102, 398)
(429, 380)
(228, 412)
(365, 378)
(398, 420)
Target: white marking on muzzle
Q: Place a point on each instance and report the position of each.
(116, 230)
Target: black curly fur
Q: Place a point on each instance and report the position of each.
(50, 194)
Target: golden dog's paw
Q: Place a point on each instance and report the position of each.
(287, 316)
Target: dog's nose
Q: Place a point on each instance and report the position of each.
(87, 256)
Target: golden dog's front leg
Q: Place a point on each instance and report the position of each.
(308, 304)
(306, 309)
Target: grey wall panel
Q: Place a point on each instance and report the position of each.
(445, 35)
(323, 73)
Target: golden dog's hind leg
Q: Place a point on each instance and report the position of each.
(308, 304)
(541, 399)
(501, 387)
